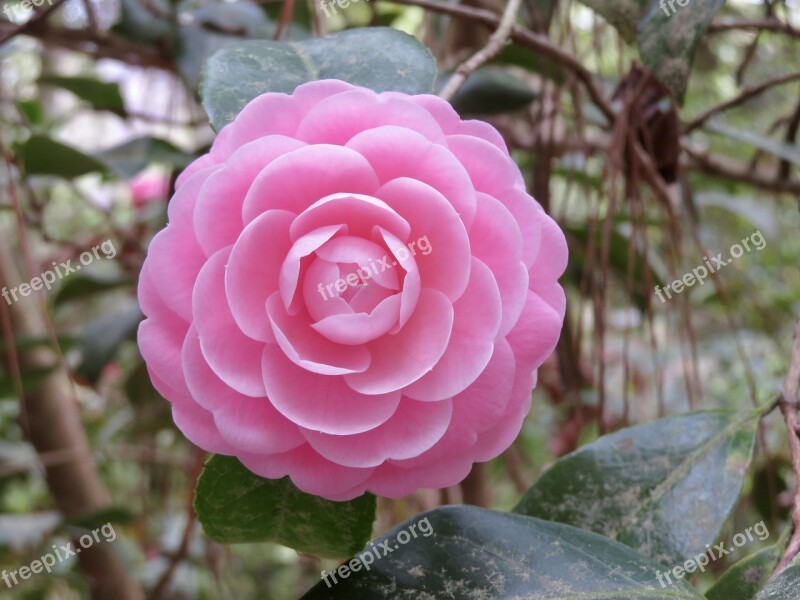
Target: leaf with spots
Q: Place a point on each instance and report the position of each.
(472, 553)
(785, 586)
(235, 506)
(664, 488)
(378, 58)
(622, 14)
(667, 37)
(743, 580)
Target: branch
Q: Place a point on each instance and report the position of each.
(773, 25)
(744, 96)
(524, 37)
(30, 23)
(789, 406)
(485, 54)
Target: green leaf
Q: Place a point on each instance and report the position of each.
(468, 552)
(622, 14)
(491, 91)
(743, 580)
(42, 155)
(215, 26)
(651, 486)
(784, 586)
(104, 336)
(531, 61)
(379, 58)
(667, 40)
(234, 506)
(135, 156)
(772, 146)
(101, 95)
(80, 286)
(144, 23)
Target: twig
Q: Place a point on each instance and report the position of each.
(485, 54)
(524, 37)
(789, 406)
(38, 16)
(746, 95)
(773, 25)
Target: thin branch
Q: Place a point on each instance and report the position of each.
(524, 37)
(789, 406)
(744, 96)
(34, 20)
(485, 54)
(773, 25)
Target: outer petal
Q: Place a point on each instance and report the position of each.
(413, 429)
(234, 357)
(491, 170)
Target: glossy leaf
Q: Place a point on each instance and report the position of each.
(234, 506)
(651, 486)
(491, 91)
(387, 60)
(136, 155)
(102, 95)
(743, 580)
(785, 586)
(42, 155)
(477, 553)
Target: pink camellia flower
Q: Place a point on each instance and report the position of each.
(354, 290)
(149, 187)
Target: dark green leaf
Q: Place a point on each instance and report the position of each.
(379, 58)
(119, 515)
(476, 553)
(42, 155)
(667, 39)
(651, 486)
(132, 157)
(215, 26)
(531, 61)
(491, 91)
(785, 586)
(145, 22)
(100, 94)
(104, 336)
(743, 580)
(81, 286)
(236, 506)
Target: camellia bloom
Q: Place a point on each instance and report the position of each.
(354, 290)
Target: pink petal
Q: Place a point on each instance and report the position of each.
(476, 321)
(360, 328)
(218, 214)
(309, 349)
(537, 332)
(321, 402)
(432, 219)
(399, 360)
(391, 481)
(199, 164)
(298, 179)
(310, 472)
(496, 240)
(360, 213)
(253, 271)
(234, 357)
(409, 295)
(247, 424)
(491, 170)
(527, 213)
(292, 267)
(337, 119)
(395, 152)
(552, 259)
(413, 429)
(484, 131)
(268, 114)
